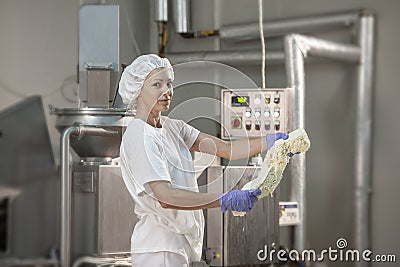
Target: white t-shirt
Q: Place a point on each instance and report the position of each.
(153, 154)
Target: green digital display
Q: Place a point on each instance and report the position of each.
(240, 101)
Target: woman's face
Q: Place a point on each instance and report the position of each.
(156, 93)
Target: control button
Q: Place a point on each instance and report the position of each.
(277, 125)
(267, 99)
(257, 100)
(236, 122)
(257, 113)
(267, 113)
(248, 125)
(267, 125)
(248, 113)
(257, 125)
(276, 98)
(277, 112)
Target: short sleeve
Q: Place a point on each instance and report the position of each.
(147, 164)
(189, 134)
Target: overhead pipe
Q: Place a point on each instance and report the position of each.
(78, 131)
(363, 134)
(161, 17)
(181, 15)
(297, 48)
(282, 27)
(321, 48)
(182, 20)
(228, 57)
(310, 46)
(161, 10)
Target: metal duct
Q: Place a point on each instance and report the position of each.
(282, 27)
(66, 184)
(310, 46)
(233, 58)
(363, 137)
(161, 10)
(181, 15)
(296, 80)
(65, 249)
(296, 48)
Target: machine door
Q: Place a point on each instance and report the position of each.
(235, 241)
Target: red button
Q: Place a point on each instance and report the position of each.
(236, 123)
(248, 126)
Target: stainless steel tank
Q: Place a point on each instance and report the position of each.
(93, 148)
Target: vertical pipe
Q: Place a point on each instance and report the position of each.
(181, 15)
(296, 80)
(65, 253)
(161, 10)
(363, 136)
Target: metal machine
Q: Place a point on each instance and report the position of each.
(97, 215)
(101, 207)
(235, 241)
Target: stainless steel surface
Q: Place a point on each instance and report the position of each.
(363, 136)
(98, 88)
(214, 222)
(65, 249)
(98, 145)
(103, 218)
(98, 44)
(235, 241)
(282, 27)
(295, 71)
(181, 9)
(311, 46)
(161, 10)
(241, 58)
(296, 80)
(266, 108)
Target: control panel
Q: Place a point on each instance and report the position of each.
(254, 112)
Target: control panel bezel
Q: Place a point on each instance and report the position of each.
(255, 112)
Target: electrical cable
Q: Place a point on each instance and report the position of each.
(133, 39)
(260, 20)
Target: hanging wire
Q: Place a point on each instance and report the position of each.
(260, 20)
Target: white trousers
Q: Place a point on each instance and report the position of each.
(159, 259)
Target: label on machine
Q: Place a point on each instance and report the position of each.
(288, 213)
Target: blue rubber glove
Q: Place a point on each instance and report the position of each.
(271, 138)
(239, 200)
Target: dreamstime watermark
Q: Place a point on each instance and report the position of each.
(340, 253)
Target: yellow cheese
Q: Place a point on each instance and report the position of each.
(275, 162)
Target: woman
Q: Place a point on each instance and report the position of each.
(158, 170)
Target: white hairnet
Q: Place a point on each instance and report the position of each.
(134, 75)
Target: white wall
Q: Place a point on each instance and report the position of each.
(38, 52)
